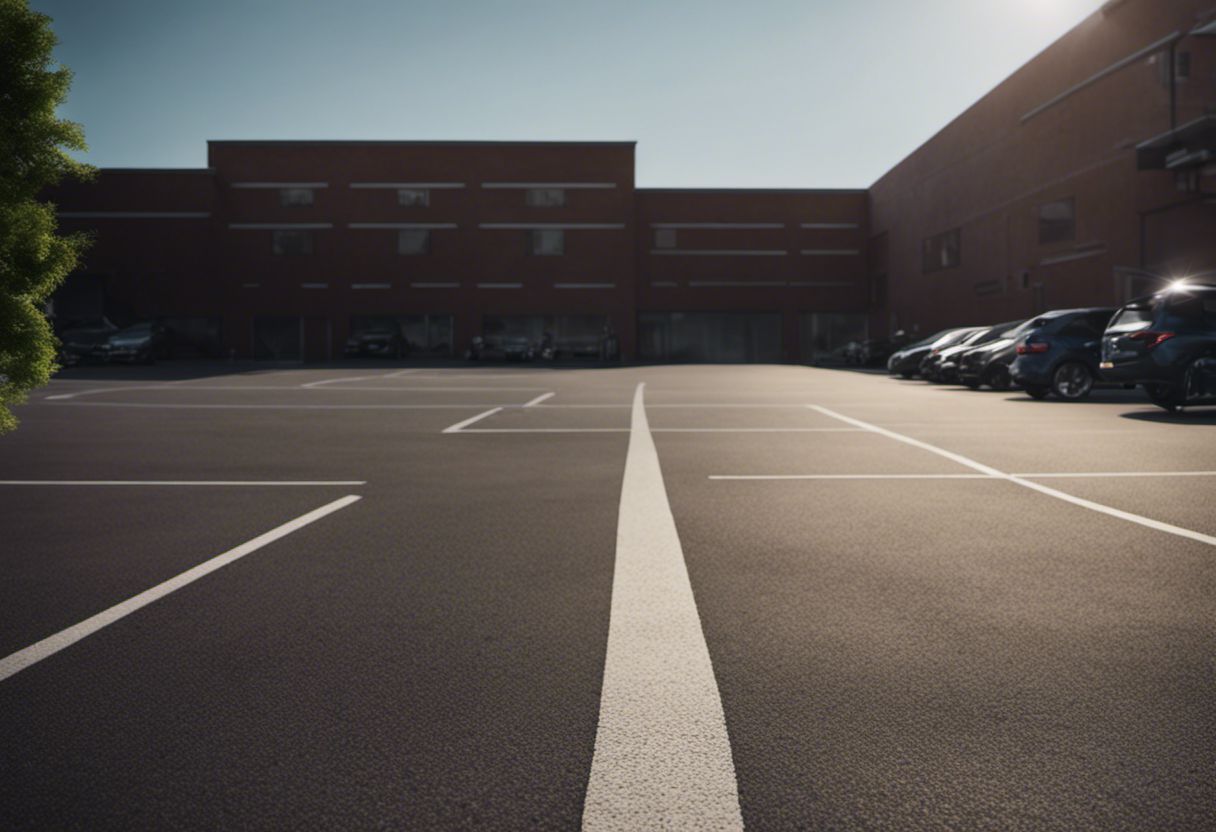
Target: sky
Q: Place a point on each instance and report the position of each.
(756, 94)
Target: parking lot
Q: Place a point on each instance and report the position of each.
(527, 597)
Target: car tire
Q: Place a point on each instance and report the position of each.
(905, 375)
(998, 378)
(971, 383)
(1168, 397)
(1072, 380)
(1036, 391)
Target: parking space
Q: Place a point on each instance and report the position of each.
(918, 606)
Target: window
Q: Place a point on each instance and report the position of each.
(413, 197)
(1057, 221)
(295, 196)
(547, 241)
(413, 241)
(293, 242)
(665, 238)
(941, 251)
(544, 197)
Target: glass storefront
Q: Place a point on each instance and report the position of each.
(824, 336)
(710, 337)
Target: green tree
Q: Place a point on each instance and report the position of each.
(34, 259)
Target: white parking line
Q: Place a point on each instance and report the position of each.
(259, 483)
(401, 373)
(1070, 475)
(662, 756)
(539, 399)
(168, 406)
(456, 428)
(852, 477)
(1026, 483)
(343, 380)
(22, 659)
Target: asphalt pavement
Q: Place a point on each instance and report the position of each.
(516, 596)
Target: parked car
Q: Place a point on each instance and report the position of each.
(78, 340)
(1166, 342)
(380, 342)
(507, 347)
(988, 364)
(1062, 355)
(140, 343)
(906, 362)
(948, 365)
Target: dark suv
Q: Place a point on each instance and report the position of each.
(1062, 355)
(1166, 342)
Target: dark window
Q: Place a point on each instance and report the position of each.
(544, 197)
(413, 197)
(293, 242)
(295, 196)
(547, 241)
(941, 251)
(413, 241)
(1182, 66)
(1057, 221)
(665, 238)
(1081, 327)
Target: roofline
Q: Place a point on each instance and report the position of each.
(414, 142)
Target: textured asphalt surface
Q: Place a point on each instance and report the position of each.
(891, 653)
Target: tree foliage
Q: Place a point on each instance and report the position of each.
(34, 258)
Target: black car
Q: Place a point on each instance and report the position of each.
(989, 363)
(384, 342)
(941, 365)
(1062, 355)
(906, 362)
(140, 343)
(79, 340)
(1166, 342)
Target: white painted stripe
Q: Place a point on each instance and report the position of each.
(539, 399)
(434, 285)
(343, 380)
(755, 430)
(427, 185)
(427, 225)
(162, 406)
(1034, 486)
(566, 185)
(852, 477)
(822, 283)
(456, 428)
(1103, 474)
(314, 285)
(720, 225)
(22, 659)
(662, 757)
(371, 285)
(258, 483)
(545, 430)
(585, 226)
(400, 373)
(709, 284)
(500, 285)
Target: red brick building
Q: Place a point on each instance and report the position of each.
(1086, 177)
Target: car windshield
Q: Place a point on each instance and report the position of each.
(1132, 317)
(1024, 327)
(952, 337)
(924, 342)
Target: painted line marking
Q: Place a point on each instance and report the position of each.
(323, 382)
(456, 428)
(1025, 483)
(659, 430)
(259, 483)
(166, 406)
(539, 399)
(662, 756)
(852, 477)
(401, 373)
(1059, 475)
(51, 645)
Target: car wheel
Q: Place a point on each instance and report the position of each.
(1072, 380)
(998, 378)
(1036, 391)
(972, 383)
(1166, 396)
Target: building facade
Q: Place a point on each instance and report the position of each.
(1087, 177)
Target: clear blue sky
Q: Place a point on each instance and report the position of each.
(766, 93)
